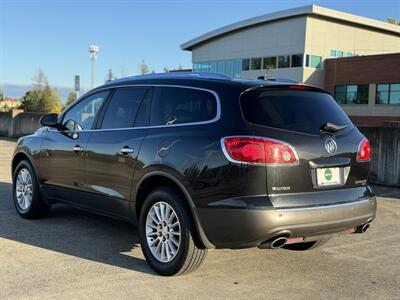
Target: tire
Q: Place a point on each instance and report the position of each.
(305, 246)
(185, 255)
(26, 194)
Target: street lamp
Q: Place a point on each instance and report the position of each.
(93, 50)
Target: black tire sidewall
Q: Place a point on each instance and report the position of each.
(169, 196)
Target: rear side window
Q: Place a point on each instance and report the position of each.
(174, 105)
(123, 107)
(302, 111)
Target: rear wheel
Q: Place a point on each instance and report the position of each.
(167, 234)
(27, 199)
(305, 246)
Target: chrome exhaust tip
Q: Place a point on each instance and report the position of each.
(362, 228)
(279, 242)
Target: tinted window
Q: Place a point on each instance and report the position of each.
(283, 61)
(122, 109)
(297, 60)
(182, 105)
(302, 111)
(82, 115)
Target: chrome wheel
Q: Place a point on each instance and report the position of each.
(24, 189)
(163, 232)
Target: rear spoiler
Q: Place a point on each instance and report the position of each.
(294, 86)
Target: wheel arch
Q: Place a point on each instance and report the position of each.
(156, 179)
(17, 158)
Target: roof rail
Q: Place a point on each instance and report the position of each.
(172, 75)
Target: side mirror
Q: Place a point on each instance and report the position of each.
(50, 120)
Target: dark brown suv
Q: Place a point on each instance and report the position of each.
(202, 161)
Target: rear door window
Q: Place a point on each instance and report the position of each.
(123, 107)
(175, 105)
(301, 111)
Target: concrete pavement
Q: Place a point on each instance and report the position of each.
(78, 255)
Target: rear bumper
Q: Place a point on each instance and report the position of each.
(240, 227)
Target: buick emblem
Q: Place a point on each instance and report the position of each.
(330, 146)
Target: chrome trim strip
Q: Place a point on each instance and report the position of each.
(215, 119)
(258, 164)
(323, 206)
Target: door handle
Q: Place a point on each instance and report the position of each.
(126, 150)
(77, 149)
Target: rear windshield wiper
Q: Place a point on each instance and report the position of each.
(330, 127)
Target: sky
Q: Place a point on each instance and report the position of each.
(54, 35)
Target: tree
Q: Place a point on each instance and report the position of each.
(1, 95)
(42, 98)
(72, 96)
(393, 21)
(166, 70)
(110, 76)
(143, 68)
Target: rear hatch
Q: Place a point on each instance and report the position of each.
(328, 167)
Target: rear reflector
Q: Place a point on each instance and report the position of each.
(364, 151)
(258, 151)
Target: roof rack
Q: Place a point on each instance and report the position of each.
(172, 75)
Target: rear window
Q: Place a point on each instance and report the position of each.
(302, 111)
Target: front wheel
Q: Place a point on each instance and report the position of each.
(27, 199)
(167, 234)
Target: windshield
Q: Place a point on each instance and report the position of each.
(302, 111)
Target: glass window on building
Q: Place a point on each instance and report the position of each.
(255, 63)
(246, 64)
(284, 61)
(352, 94)
(237, 68)
(297, 60)
(388, 93)
(314, 61)
(221, 66)
(269, 62)
(229, 68)
(340, 94)
(332, 53)
(340, 54)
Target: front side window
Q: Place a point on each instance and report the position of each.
(332, 53)
(352, 94)
(284, 61)
(173, 105)
(256, 63)
(388, 93)
(123, 107)
(82, 115)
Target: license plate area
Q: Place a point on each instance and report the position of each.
(326, 177)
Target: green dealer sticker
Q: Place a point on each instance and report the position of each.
(328, 174)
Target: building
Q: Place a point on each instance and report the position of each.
(9, 103)
(367, 87)
(292, 44)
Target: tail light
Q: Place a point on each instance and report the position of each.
(258, 151)
(364, 151)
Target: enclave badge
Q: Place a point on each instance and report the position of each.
(330, 146)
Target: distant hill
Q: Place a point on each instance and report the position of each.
(17, 91)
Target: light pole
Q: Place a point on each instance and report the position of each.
(93, 50)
